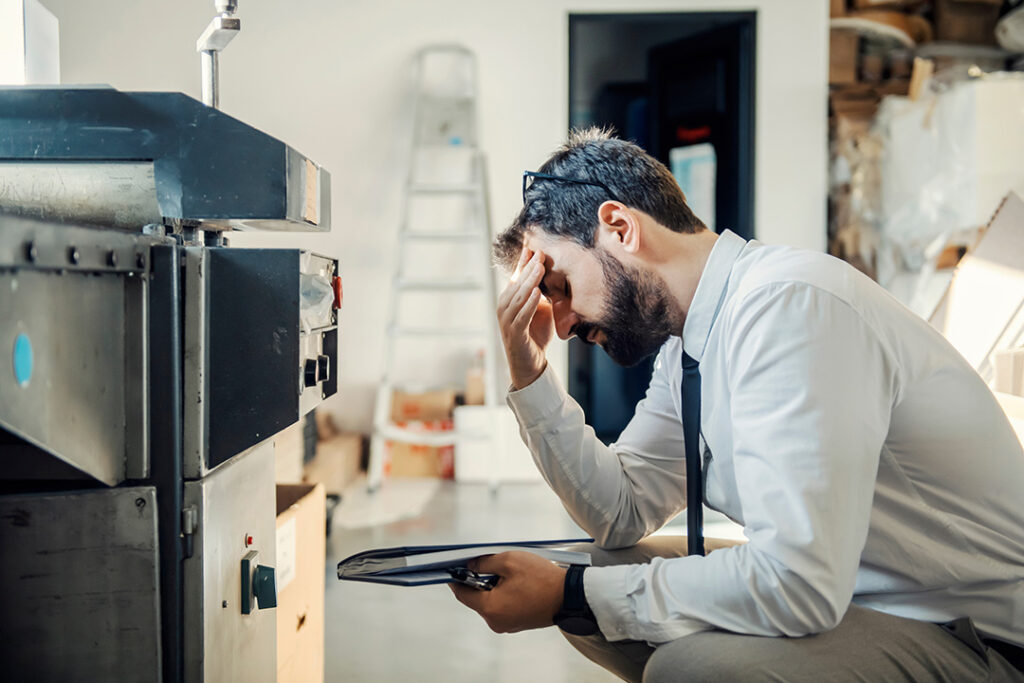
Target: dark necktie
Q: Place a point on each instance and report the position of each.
(691, 434)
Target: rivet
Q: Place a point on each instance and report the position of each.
(73, 255)
(31, 252)
(112, 258)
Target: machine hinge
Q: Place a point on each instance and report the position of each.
(189, 524)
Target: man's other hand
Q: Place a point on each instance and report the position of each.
(528, 594)
(525, 320)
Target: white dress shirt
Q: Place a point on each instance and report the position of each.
(865, 459)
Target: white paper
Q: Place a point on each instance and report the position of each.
(285, 554)
(694, 168)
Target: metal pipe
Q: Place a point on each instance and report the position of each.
(211, 78)
(216, 36)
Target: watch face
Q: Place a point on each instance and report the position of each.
(577, 625)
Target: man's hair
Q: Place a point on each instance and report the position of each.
(569, 210)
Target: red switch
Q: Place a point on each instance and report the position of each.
(248, 540)
(339, 295)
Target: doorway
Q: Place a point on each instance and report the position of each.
(680, 85)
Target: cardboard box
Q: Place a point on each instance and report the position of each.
(301, 552)
(337, 462)
(420, 460)
(325, 427)
(475, 387)
(842, 56)
(422, 406)
(837, 8)
(972, 22)
(432, 457)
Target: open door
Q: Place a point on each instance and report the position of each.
(702, 93)
(681, 85)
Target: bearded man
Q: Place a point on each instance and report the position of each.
(875, 476)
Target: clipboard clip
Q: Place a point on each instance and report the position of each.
(468, 577)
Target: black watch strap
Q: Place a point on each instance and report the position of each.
(575, 617)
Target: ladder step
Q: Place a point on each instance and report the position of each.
(440, 285)
(418, 436)
(445, 188)
(439, 331)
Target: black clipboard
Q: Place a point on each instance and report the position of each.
(399, 566)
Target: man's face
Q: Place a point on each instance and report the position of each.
(627, 311)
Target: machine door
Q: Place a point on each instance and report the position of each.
(79, 577)
(230, 633)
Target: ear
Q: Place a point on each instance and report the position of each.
(618, 228)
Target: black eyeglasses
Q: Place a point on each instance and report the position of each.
(578, 181)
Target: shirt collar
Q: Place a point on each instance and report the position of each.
(710, 291)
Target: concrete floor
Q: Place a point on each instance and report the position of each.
(392, 633)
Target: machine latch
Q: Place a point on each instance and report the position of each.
(189, 524)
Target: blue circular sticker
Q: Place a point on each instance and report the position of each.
(22, 360)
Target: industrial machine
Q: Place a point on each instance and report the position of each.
(144, 366)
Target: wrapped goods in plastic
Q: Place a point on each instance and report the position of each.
(948, 159)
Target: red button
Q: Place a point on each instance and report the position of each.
(248, 541)
(339, 295)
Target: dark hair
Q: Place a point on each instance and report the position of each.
(570, 210)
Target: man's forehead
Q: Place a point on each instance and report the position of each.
(535, 238)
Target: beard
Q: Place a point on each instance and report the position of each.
(640, 314)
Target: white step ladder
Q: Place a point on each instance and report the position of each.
(444, 120)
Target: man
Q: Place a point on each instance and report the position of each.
(876, 478)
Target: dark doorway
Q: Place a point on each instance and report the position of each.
(681, 86)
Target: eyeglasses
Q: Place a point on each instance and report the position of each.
(578, 181)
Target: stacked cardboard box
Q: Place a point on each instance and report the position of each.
(337, 463)
(429, 412)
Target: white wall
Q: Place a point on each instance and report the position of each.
(330, 78)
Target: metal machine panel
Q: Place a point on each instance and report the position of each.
(115, 194)
(252, 376)
(73, 347)
(207, 166)
(260, 347)
(232, 504)
(80, 600)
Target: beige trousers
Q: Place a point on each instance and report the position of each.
(866, 646)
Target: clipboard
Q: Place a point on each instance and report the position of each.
(426, 565)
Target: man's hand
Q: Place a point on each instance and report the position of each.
(525, 320)
(528, 594)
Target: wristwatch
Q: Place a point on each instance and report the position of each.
(575, 617)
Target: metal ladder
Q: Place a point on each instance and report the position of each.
(444, 118)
